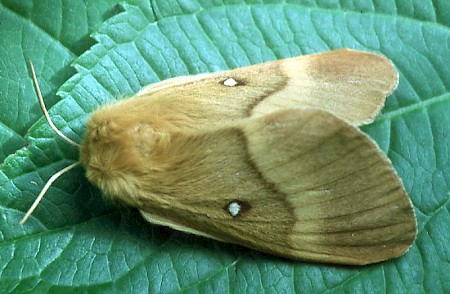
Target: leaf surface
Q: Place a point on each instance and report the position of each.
(75, 242)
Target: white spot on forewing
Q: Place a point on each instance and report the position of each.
(234, 208)
(230, 82)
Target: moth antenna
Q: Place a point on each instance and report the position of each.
(44, 190)
(44, 109)
(60, 134)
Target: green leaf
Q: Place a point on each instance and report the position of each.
(74, 242)
(51, 43)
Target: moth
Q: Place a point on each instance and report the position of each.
(267, 156)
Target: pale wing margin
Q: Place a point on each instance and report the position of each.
(349, 204)
(353, 85)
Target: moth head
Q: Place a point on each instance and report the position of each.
(100, 155)
(110, 155)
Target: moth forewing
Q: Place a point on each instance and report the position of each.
(309, 186)
(351, 84)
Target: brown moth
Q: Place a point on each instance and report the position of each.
(267, 156)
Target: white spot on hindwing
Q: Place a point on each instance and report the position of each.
(234, 208)
(230, 82)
